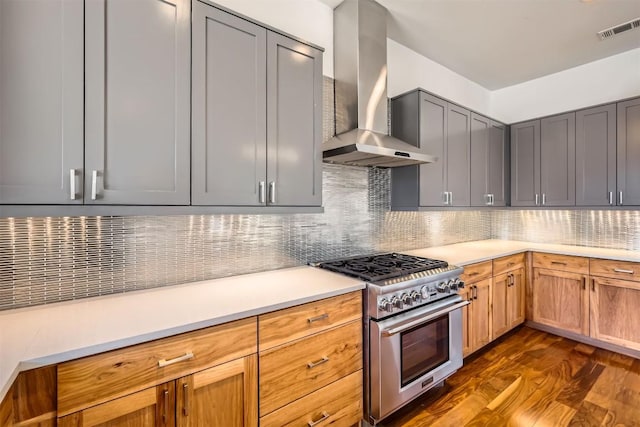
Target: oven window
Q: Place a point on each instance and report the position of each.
(424, 348)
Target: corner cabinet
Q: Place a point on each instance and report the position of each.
(257, 105)
(489, 163)
(629, 153)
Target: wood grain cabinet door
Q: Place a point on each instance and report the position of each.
(516, 298)
(501, 307)
(561, 300)
(152, 407)
(615, 313)
(222, 396)
(466, 295)
(481, 313)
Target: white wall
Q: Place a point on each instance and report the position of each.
(309, 20)
(598, 82)
(409, 70)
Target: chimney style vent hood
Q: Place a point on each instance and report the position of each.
(360, 55)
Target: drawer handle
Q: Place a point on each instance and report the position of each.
(164, 362)
(185, 399)
(325, 415)
(620, 270)
(165, 415)
(311, 365)
(558, 263)
(318, 318)
(475, 273)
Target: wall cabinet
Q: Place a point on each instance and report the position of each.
(543, 162)
(257, 103)
(439, 128)
(489, 167)
(628, 153)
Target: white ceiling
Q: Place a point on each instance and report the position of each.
(499, 43)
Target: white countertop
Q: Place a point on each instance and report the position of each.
(48, 334)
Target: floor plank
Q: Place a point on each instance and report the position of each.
(530, 378)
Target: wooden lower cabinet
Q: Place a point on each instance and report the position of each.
(561, 300)
(224, 396)
(508, 292)
(476, 316)
(615, 311)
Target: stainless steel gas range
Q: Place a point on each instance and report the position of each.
(412, 326)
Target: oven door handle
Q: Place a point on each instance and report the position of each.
(410, 324)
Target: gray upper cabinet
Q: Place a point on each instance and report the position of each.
(525, 163)
(257, 114)
(229, 98)
(557, 160)
(443, 130)
(294, 122)
(137, 110)
(41, 101)
(488, 162)
(629, 153)
(596, 156)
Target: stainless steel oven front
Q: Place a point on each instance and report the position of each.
(411, 352)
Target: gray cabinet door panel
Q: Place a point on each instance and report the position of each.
(229, 109)
(294, 122)
(457, 155)
(41, 101)
(480, 134)
(433, 137)
(596, 156)
(525, 163)
(497, 164)
(629, 152)
(137, 77)
(557, 160)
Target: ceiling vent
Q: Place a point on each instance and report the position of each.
(614, 31)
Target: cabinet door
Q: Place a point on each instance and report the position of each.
(525, 163)
(225, 396)
(557, 160)
(614, 311)
(466, 295)
(497, 165)
(458, 150)
(501, 309)
(294, 122)
(516, 298)
(596, 156)
(560, 299)
(153, 407)
(629, 153)
(433, 134)
(229, 96)
(137, 81)
(481, 314)
(480, 135)
(41, 99)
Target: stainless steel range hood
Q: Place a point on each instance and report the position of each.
(360, 63)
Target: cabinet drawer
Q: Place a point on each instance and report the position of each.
(574, 264)
(339, 403)
(293, 370)
(508, 263)
(96, 379)
(625, 270)
(297, 322)
(476, 272)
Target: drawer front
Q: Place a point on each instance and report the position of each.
(508, 263)
(476, 272)
(338, 404)
(96, 379)
(624, 270)
(573, 264)
(297, 322)
(294, 370)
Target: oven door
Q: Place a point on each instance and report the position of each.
(413, 351)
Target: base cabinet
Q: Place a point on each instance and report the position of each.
(508, 301)
(476, 317)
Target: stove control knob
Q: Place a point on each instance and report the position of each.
(415, 296)
(397, 302)
(385, 305)
(453, 285)
(406, 299)
(424, 292)
(460, 284)
(442, 287)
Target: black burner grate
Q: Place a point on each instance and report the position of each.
(381, 267)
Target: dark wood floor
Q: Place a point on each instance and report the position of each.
(531, 378)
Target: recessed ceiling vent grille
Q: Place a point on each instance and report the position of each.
(614, 31)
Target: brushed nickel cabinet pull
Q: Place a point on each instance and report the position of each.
(165, 415)
(311, 365)
(620, 270)
(450, 198)
(164, 362)
(544, 198)
(272, 192)
(185, 399)
(445, 197)
(72, 184)
(262, 192)
(318, 318)
(620, 198)
(611, 197)
(537, 199)
(94, 184)
(324, 416)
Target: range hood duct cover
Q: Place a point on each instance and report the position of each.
(360, 63)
